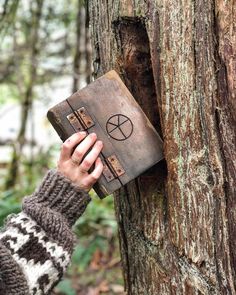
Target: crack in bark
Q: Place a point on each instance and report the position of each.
(223, 118)
(123, 238)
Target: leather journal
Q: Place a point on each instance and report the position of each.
(131, 144)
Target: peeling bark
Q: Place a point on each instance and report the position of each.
(177, 221)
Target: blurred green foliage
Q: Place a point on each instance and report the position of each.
(10, 200)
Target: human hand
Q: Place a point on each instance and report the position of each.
(70, 163)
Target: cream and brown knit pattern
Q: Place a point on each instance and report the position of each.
(38, 242)
(42, 261)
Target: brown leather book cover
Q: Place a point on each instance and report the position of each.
(131, 144)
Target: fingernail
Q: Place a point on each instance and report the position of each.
(83, 133)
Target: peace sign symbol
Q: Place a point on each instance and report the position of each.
(119, 127)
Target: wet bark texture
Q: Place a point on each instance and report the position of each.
(177, 222)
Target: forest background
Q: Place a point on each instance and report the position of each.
(45, 56)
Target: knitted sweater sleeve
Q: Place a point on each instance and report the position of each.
(36, 244)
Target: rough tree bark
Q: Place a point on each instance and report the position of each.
(177, 222)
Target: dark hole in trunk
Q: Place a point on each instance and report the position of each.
(135, 65)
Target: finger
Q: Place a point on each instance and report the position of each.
(69, 145)
(96, 173)
(91, 156)
(83, 147)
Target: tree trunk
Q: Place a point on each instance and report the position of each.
(82, 65)
(27, 99)
(88, 49)
(80, 23)
(177, 221)
(7, 16)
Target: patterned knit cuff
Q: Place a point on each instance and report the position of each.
(59, 194)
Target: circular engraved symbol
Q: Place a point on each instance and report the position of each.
(119, 127)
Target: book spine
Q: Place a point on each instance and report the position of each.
(54, 119)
